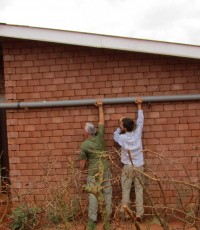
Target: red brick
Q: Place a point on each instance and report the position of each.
(60, 74)
(154, 115)
(194, 106)
(172, 134)
(80, 118)
(160, 134)
(190, 86)
(117, 83)
(166, 141)
(155, 68)
(115, 117)
(165, 88)
(80, 92)
(93, 91)
(117, 90)
(34, 95)
(181, 126)
(69, 93)
(87, 66)
(9, 57)
(20, 70)
(194, 119)
(27, 63)
(194, 126)
(177, 87)
(35, 134)
(118, 70)
(173, 120)
(85, 112)
(112, 64)
(143, 82)
(195, 133)
(140, 89)
(100, 84)
(111, 110)
(153, 141)
(143, 68)
(73, 73)
(96, 72)
(185, 133)
(101, 78)
(57, 132)
(23, 134)
(189, 113)
(164, 74)
(87, 85)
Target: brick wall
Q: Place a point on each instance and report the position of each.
(36, 71)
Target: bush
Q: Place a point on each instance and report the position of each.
(24, 217)
(63, 212)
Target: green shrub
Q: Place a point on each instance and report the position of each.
(24, 217)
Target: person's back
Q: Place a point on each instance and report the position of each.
(131, 141)
(94, 148)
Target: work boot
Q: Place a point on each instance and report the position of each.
(91, 225)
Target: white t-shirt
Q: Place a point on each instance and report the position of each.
(132, 142)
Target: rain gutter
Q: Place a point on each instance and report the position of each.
(84, 102)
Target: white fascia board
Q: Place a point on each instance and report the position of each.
(99, 41)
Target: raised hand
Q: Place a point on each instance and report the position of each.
(99, 102)
(138, 100)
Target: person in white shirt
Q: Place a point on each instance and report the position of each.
(129, 138)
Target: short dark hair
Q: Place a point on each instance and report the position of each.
(128, 124)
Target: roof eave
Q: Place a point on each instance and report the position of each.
(99, 41)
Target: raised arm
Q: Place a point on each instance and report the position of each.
(140, 118)
(99, 103)
(138, 101)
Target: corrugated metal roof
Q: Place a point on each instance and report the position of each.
(99, 41)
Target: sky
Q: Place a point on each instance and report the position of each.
(161, 20)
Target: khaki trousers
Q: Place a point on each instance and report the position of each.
(129, 175)
(93, 204)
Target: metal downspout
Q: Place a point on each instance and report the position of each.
(83, 102)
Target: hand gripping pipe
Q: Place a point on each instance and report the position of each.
(83, 102)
